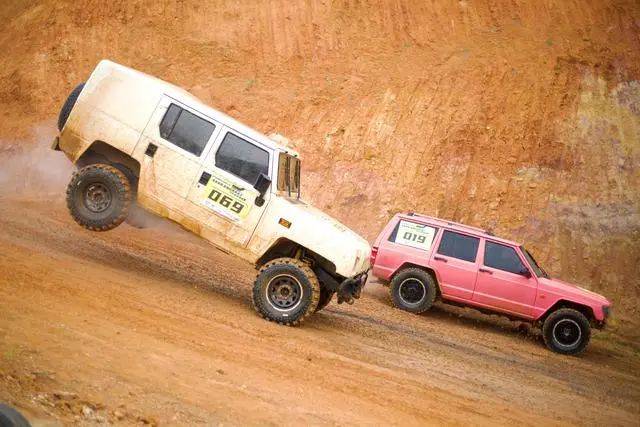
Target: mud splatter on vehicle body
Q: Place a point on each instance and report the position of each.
(213, 175)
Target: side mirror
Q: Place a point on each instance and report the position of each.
(526, 273)
(262, 185)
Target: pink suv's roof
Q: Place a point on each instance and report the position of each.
(454, 226)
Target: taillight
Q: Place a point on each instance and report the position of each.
(374, 254)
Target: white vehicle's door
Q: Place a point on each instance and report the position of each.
(223, 195)
(174, 142)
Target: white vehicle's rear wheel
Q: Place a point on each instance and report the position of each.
(286, 291)
(99, 197)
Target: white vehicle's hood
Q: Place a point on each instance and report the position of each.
(324, 235)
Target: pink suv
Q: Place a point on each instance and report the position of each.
(423, 258)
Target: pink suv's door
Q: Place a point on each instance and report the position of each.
(504, 281)
(455, 261)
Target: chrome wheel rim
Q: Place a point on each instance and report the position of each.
(284, 292)
(97, 197)
(412, 291)
(567, 333)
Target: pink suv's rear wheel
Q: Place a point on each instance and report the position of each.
(413, 289)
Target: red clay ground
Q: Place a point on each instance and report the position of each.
(156, 326)
(518, 116)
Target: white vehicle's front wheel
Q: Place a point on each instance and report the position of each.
(286, 291)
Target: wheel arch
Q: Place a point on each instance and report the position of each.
(429, 270)
(102, 152)
(562, 303)
(284, 247)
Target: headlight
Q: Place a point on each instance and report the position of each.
(606, 309)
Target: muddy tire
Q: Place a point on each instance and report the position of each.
(9, 417)
(68, 106)
(413, 290)
(325, 298)
(286, 291)
(99, 197)
(566, 331)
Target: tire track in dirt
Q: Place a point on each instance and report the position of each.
(157, 324)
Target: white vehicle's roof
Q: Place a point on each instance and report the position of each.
(190, 100)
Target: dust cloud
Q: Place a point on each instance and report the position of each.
(30, 167)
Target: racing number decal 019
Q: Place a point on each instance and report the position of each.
(415, 235)
(222, 196)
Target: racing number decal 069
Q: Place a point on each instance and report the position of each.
(226, 201)
(222, 196)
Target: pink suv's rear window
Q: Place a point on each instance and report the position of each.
(409, 233)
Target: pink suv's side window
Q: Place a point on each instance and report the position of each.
(503, 281)
(455, 264)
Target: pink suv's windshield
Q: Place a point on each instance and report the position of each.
(534, 264)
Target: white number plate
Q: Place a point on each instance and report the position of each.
(415, 235)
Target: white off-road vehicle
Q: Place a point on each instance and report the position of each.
(137, 139)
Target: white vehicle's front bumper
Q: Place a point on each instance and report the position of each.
(351, 288)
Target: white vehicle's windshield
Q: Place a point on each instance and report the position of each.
(289, 175)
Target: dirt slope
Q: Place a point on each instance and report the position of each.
(153, 326)
(519, 116)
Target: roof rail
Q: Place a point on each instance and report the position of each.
(457, 224)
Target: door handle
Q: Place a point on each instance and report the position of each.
(484, 270)
(151, 150)
(438, 258)
(204, 178)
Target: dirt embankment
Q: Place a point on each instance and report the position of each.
(522, 117)
(154, 326)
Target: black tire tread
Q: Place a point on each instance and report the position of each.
(315, 290)
(421, 274)
(68, 105)
(10, 417)
(124, 188)
(547, 330)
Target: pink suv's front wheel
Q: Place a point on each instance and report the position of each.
(566, 331)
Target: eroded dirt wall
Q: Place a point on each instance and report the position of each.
(519, 116)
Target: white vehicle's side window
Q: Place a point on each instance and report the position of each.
(419, 236)
(242, 158)
(185, 129)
